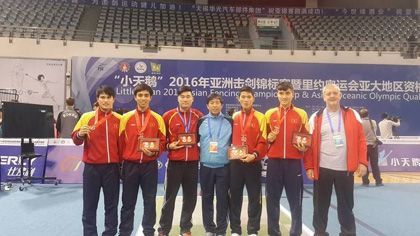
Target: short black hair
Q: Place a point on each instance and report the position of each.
(143, 87)
(106, 89)
(121, 111)
(231, 111)
(214, 96)
(284, 86)
(70, 101)
(385, 115)
(246, 89)
(184, 89)
(364, 113)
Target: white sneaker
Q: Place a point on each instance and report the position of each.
(209, 234)
(251, 235)
(235, 234)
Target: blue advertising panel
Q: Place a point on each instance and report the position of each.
(10, 160)
(400, 155)
(66, 163)
(394, 89)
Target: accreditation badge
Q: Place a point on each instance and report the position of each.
(213, 147)
(338, 140)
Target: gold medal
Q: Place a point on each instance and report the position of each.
(276, 129)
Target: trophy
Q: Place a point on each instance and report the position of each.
(152, 144)
(237, 152)
(305, 139)
(186, 139)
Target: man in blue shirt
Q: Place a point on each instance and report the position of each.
(215, 137)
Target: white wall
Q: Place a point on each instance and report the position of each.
(54, 49)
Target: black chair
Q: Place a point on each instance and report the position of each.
(28, 153)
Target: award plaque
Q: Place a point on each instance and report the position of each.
(305, 139)
(186, 139)
(237, 152)
(151, 144)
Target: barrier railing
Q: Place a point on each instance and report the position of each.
(158, 39)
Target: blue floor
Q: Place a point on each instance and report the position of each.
(393, 210)
(50, 210)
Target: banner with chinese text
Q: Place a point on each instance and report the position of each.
(247, 9)
(394, 89)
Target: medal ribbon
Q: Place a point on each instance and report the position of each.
(141, 126)
(248, 123)
(279, 115)
(102, 120)
(187, 127)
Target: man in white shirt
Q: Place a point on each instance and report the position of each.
(338, 152)
(385, 126)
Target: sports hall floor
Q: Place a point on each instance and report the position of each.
(50, 210)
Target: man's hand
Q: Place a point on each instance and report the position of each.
(310, 174)
(85, 129)
(248, 158)
(300, 147)
(174, 146)
(147, 152)
(271, 137)
(361, 170)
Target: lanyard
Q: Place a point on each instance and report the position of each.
(242, 117)
(141, 126)
(218, 132)
(187, 127)
(102, 120)
(339, 121)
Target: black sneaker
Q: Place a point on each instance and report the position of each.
(365, 185)
(379, 184)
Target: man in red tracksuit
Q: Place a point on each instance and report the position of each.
(183, 163)
(98, 131)
(139, 167)
(338, 150)
(284, 160)
(249, 129)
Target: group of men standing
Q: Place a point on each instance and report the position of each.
(113, 150)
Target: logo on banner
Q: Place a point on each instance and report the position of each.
(12, 164)
(70, 163)
(100, 66)
(124, 67)
(140, 67)
(156, 68)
